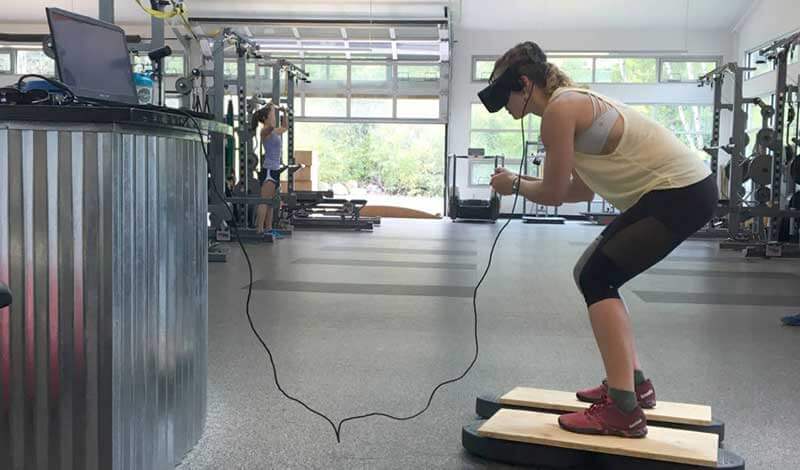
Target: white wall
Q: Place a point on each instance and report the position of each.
(493, 43)
(767, 20)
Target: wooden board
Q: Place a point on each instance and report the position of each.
(663, 444)
(393, 212)
(666, 412)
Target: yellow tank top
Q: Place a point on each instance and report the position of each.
(649, 157)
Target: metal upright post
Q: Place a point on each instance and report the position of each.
(245, 143)
(106, 10)
(157, 41)
(290, 78)
(737, 156)
(217, 151)
(778, 201)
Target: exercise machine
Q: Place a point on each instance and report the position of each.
(486, 210)
(321, 210)
(759, 190)
(541, 213)
(521, 428)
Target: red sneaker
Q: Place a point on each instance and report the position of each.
(645, 393)
(607, 419)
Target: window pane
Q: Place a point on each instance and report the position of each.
(141, 64)
(685, 71)
(483, 69)
(481, 173)
(369, 73)
(423, 73)
(174, 103)
(691, 123)
(483, 119)
(173, 65)
(35, 62)
(298, 106)
(418, 108)
(5, 62)
(761, 64)
(326, 107)
(371, 107)
(232, 69)
(506, 143)
(327, 72)
(625, 70)
(579, 69)
(400, 165)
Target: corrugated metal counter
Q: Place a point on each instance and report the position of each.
(103, 242)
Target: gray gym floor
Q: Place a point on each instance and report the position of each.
(366, 322)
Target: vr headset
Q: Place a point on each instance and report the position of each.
(495, 96)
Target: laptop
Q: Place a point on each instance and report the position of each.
(92, 58)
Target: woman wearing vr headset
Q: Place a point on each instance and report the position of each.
(664, 190)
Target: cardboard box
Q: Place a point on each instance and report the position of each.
(298, 186)
(306, 157)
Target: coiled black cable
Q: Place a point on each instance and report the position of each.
(338, 429)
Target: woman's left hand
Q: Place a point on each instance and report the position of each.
(503, 183)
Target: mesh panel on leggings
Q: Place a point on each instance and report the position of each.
(640, 245)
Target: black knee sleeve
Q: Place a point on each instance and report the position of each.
(594, 276)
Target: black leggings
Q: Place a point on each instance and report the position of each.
(642, 236)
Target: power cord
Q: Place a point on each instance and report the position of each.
(338, 429)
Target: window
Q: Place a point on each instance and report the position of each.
(499, 133)
(371, 107)
(398, 165)
(579, 69)
(625, 70)
(326, 107)
(141, 64)
(173, 65)
(232, 69)
(5, 62)
(691, 123)
(482, 69)
(326, 72)
(420, 73)
(480, 172)
(173, 102)
(36, 62)
(418, 108)
(685, 71)
(762, 65)
(369, 73)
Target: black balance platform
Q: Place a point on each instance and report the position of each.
(554, 457)
(487, 405)
(543, 220)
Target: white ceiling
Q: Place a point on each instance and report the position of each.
(704, 15)
(582, 15)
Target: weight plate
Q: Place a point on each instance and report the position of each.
(760, 169)
(763, 195)
(183, 86)
(795, 169)
(794, 202)
(765, 137)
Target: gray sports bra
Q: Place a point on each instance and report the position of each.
(593, 140)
